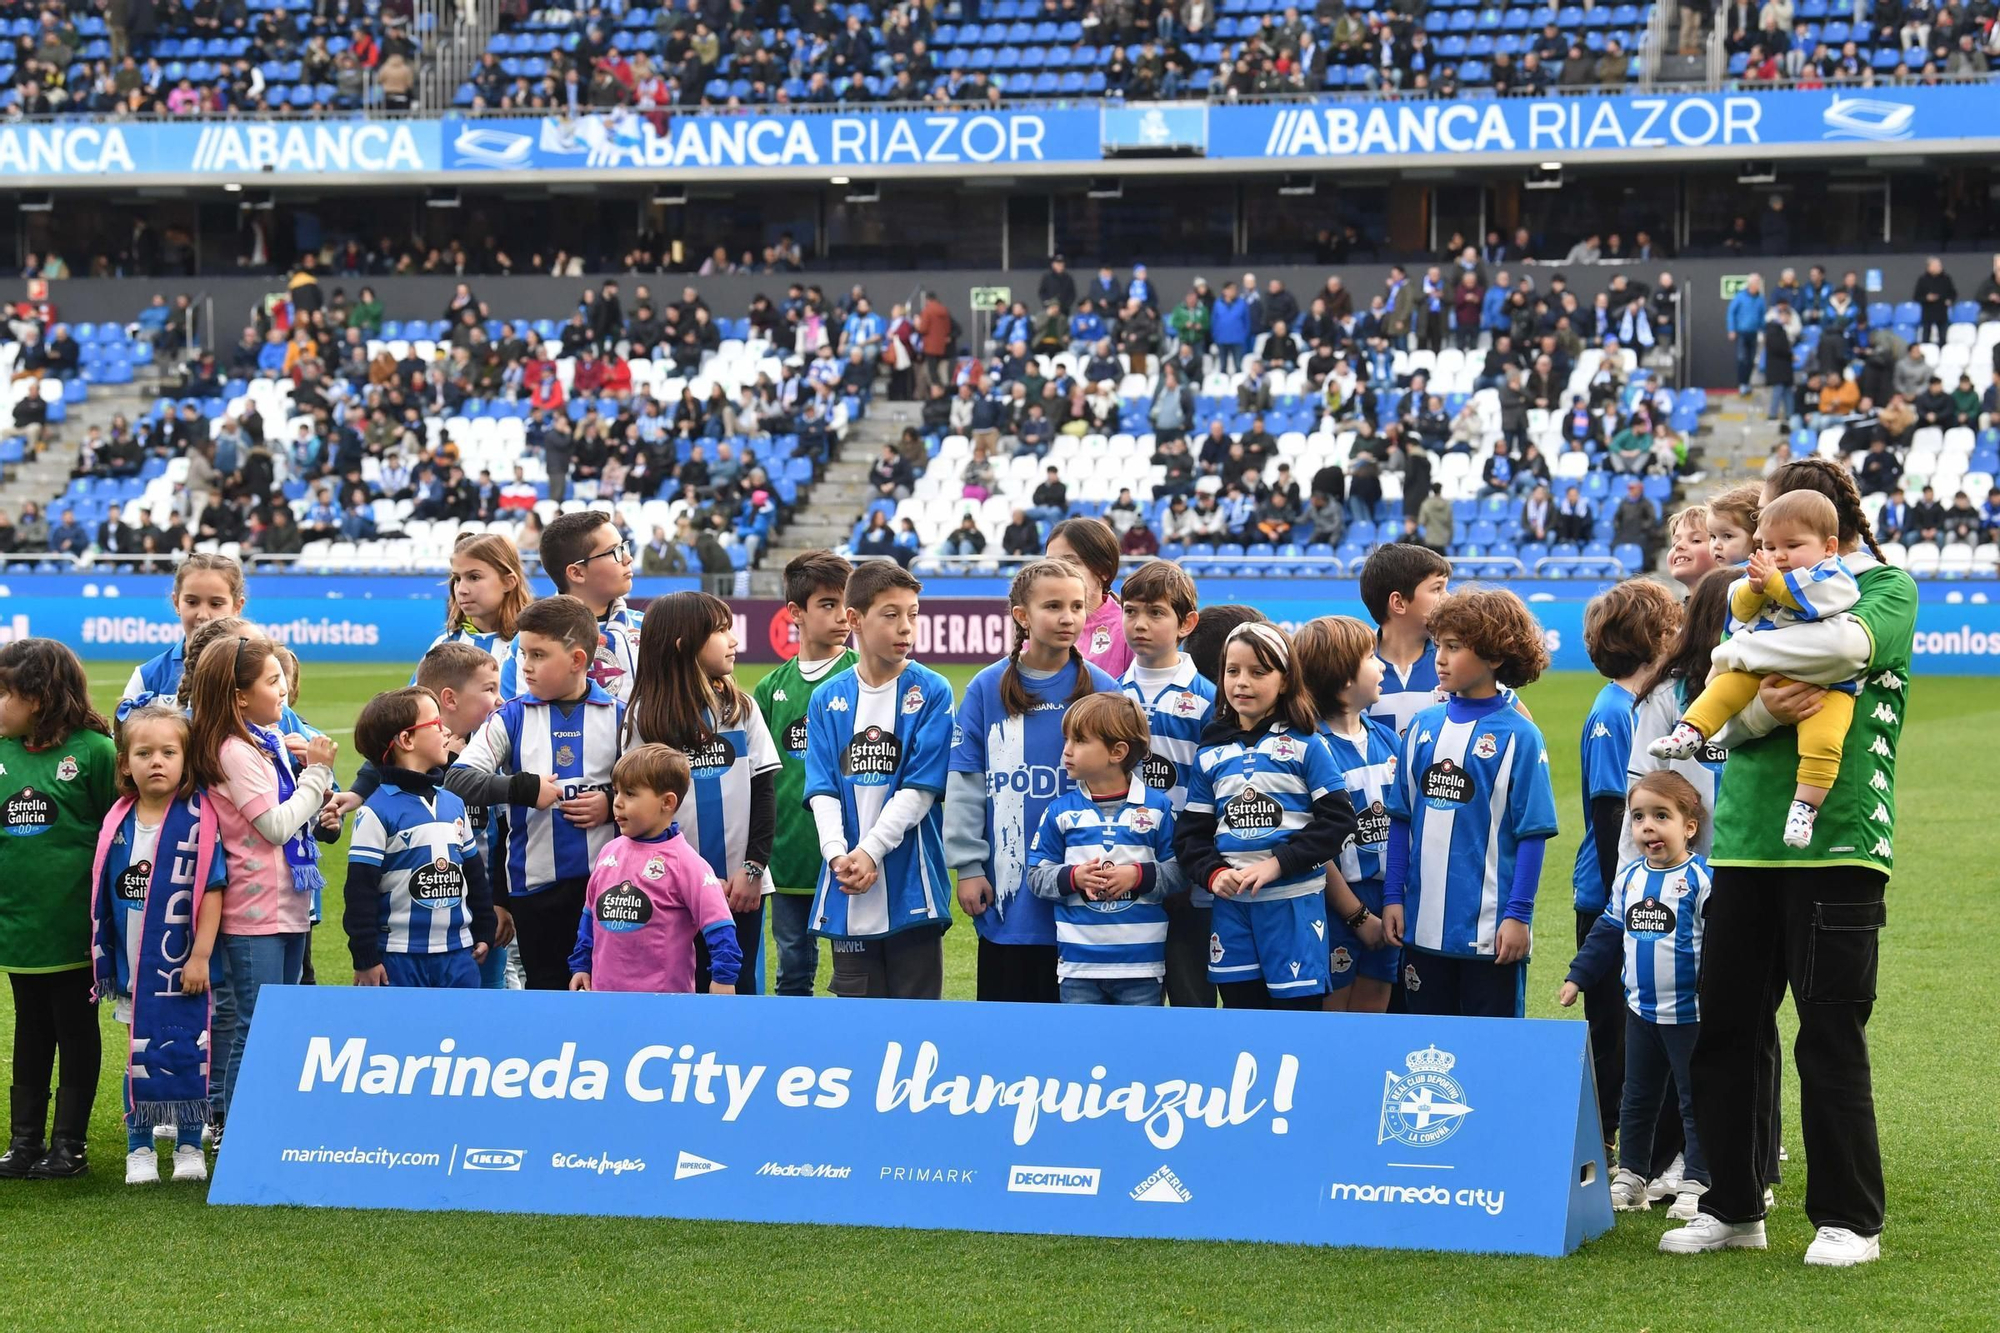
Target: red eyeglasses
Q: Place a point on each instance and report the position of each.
(437, 722)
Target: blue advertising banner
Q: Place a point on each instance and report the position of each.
(1155, 127)
(234, 148)
(773, 139)
(1327, 1129)
(1612, 123)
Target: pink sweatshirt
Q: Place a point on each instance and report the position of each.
(645, 903)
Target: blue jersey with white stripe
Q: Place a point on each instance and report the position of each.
(421, 845)
(865, 765)
(1122, 937)
(1020, 761)
(1472, 792)
(715, 816)
(1405, 694)
(501, 650)
(159, 675)
(576, 744)
(1368, 768)
(1260, 786)
(1659, 913)
(1606, 750)
(1177, 712)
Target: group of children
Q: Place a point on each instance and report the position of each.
(1145, 801)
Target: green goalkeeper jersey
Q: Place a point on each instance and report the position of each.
(782, 697)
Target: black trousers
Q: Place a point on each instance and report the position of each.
(1256, 995)
(908, 965)
(1817, 930)
(1022, 973)
(1604, 1011)
(545, 932)
(53, 1012)
(1188, 928)
(1465, 987)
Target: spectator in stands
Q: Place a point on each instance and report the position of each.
(1635, 522)
(1912, 374)
(1537, 516)
(934, 328)
(1022, 537)
(978, 478)
(1057, 285)
(1926, 521)
(1498, 474)
(1880, 471)
(1780, 328)
(1434, 522)
(1934, 407)
(1745, 322)
(966, 539)
(891, 476)
(1230, 328)
(31, 533)
(1962, 520)
(1989, 515)
(1965, 402)
(1574, 518)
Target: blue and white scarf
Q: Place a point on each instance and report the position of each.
(301, 852)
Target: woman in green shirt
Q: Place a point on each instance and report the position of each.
(1804, 917)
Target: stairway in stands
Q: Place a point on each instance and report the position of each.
(828, 509)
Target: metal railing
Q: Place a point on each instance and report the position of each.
(1323, 566)
(1653, 47)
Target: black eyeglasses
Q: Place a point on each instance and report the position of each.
(622, 553)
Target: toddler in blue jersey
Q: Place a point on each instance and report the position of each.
(1159, 602)
(1005, 769)
(1470, 816)
(1266, 810)
(419, 909)
(1338, 662)
(1104, 855)
(1650, 933)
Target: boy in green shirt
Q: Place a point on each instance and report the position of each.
(816, 595)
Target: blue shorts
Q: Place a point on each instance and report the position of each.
(438, 971)
(1350, 958)
(1281, 943)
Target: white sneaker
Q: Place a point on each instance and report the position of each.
(1680, 743)
(189, 1163)
(1628, 1192)
(1770, 1198)
(1837, 1247)
(1668, 1183)
(1707, 1233)
(1783, 1156)
(1798, 832)
(142, 1167)
(1687, 1206)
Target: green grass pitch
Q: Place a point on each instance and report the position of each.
(96, 1254)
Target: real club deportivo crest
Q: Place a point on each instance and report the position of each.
(1425, 1106)
(1485, 747)
(565, 756)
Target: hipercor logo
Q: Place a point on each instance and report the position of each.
(494, 1159)
(688, 1164)
(1052, 1179)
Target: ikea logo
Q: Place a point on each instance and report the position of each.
(493, 1159)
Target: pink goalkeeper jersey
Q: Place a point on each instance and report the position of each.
(1102, 641)
(646, 903)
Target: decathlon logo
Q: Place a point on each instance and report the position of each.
(687, 1164)
(1868, 118)
(1052, 1179)
(494, 1159)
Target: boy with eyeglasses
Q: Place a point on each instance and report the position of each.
(586, 557)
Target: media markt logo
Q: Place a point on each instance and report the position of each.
(808, 1170)
(1052, 1179)
(1425, 1106)
(1163, 1186)
(494, 1159)
(690, 1165)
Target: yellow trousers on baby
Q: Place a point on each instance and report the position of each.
(1821, 736)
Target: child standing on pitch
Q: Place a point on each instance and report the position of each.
(547, 755)
(262, 808)
(686, 696)
(1652, 922)
(419, 910)
(1090, 546)
(1160, 612)
(1470, 814)
(1104, 855)
(157, 906)
(206, 587)
(878, 743)
(585, 558)
(816, 596)
(1002, 779)
(1796, 581)
(1338, 664)
(650, 893)
(484, 598)
(1266, 811)
(58, 778)
(1625, 631)
(1400, 583)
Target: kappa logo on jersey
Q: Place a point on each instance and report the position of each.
(608, 859)
(1446, 785)
(1100, 641)
(1252, 812)
(1425, 1106)
(838, 704)
(132, 884)
(1424, 739)
(1880, 748)
(66, 770)
(1143, 820)
(687, 1164)
(1215, 948)
(623, 908)
(1649, 918)
(712, 756)
(1343, 961)
(1600, 731)
(655, 868)
(28, 812)
(872, 757)
(1185, 704)
(913, 699)
(1485, 747)
(1157, 773)
(795, 737)
(439, 882)
(778, 696)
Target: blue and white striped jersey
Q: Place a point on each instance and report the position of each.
(715, 817)
(1653, 717)
(1472, 792)
(615, 665)
(1659, 914)
(1124, 937)
(1176, 711)
(575, 744)
(1826, 589)
(499, 649)
(421, 845)
(1368, 766)
(1260, 787)
(1406, 695)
